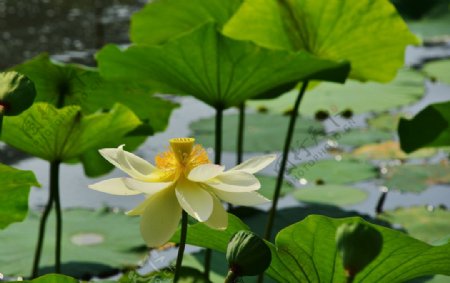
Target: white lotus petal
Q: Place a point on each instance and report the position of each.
(115, 186)
(246, 198)
(160, 218)
(219, 217)
(205, 172)
(255, 164)
(126, 161)
(235, 181)
(140, 208)
(194, 200)
(149, 188)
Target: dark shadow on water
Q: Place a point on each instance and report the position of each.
(83, 270)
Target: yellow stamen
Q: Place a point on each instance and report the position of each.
(182, 148)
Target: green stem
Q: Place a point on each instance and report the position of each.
(54, 186)
(231, 277)
(287, 145)
(1, 120)
(350, 279)
(240, 138)
(217, 160)
(184, 226)
(43, 222)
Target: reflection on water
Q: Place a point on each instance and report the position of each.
(29, 27)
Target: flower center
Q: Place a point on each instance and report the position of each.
(182, 148)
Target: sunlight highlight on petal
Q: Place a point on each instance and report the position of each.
(205, 172)
(235, 181)
(146, 187)
(194, 200)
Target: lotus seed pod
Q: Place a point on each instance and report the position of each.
(358, 244)
(17, 93)
(248, 254)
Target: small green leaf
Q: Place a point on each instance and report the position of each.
(91, 241)
(369, 34)
(14, 189)
(416, 178)
(63, 134)
(218, 70)
(17, 93)
(417, 133)
(262, 132)
(333, 172)
(358, 137)
(331, 195)
(426, 223)
(438, 70)
(162, 20)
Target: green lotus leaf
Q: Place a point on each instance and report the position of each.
(220, 71)
(64, 134)
(358, 137)
(14, 189)
(369, 34)
(438, 70)
(330, 171)
(415, 178)
(51, 278)
(330, 194)
(17, 93)
(417, 133)
(262, 132)
(427, 224)
(88, 247)
(268, 186)
(432, 26)
(162, 20)
(407, 88)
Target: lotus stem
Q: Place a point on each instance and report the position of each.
(240, 137)
(381, 200)
(184, 226)
(287, 145)
(42, 223)
(1, 119)
(232, 277)
(54, 186)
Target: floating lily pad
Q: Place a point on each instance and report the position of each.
(416, 178)
(331, 171)
(389, 150)
(385, 122)
(428, 225)
(268, 186)
(431, 27)
(440, 70)
(263, 132)
(406, 88)
(52, 278)
(337, 195)
(14, 189)
(357, 137)
(93, 242)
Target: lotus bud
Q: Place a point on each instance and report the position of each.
(247, 254)
(358, 244)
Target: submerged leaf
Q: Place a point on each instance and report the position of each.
(14, 189)
(220, 71)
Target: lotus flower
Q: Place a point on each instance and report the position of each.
(183, 178)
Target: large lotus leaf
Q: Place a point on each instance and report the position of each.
(306, 252)
(51, 278)
(358, 137)
(220, 71)
(331, 171)
(262, 132)
(330, 194)
(424, 223)
(93, 242)
(416, 178)
(268, 186)
(370, 34)
(63, 134)
(17, 93)
(83, 86)
(438, 70)
(388, 150)
(14, 189)
(162, 20)
(417, 132)
(408, 87)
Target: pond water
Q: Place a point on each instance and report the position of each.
(73, 30)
